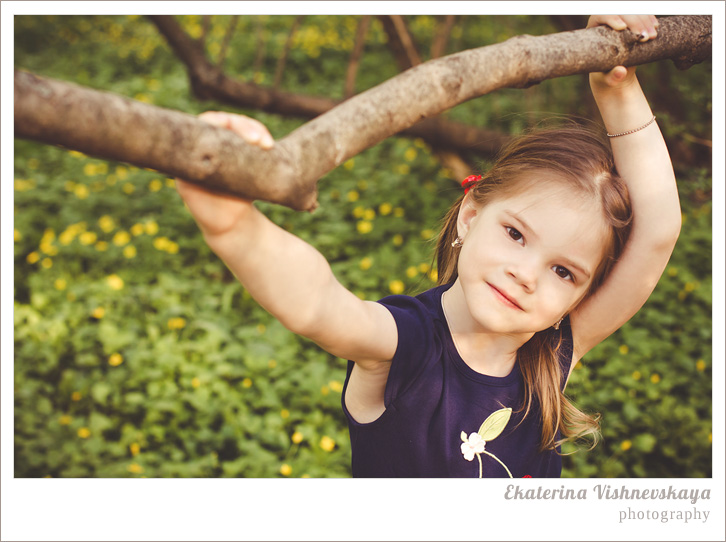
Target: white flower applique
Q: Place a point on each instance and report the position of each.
(475, 444)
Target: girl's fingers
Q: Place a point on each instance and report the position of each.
(251, 130)
(644, 26)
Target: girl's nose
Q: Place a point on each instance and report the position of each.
(524, 274)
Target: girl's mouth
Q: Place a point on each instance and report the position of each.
(504, 298)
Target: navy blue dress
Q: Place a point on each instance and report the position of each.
(442, 418)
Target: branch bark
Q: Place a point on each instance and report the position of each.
(117, 128)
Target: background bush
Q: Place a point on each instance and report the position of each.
(138, 354)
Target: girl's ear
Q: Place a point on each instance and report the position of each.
(467, 212)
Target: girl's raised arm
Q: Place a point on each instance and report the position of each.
(285, 275)
(642, 160)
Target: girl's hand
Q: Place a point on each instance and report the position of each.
(644, 26)
(217, 213)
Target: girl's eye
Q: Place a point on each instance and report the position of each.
(514, 234)
(563, 273)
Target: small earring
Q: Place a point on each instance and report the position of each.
(458, 243)
(557, 325)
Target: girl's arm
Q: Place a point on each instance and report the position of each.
(285, 275)
(643, 162)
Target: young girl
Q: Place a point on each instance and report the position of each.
(542, 258)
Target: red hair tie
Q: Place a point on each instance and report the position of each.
(469, 181)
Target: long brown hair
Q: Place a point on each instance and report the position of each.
(581, 160)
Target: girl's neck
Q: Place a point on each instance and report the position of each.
(489, 353)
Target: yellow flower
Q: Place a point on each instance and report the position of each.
(701, 365)
(121, 238)
(434, 275)
(396, 287)
(349, 164)
(272, 364)
(335, 386)
(172, 247)
(196, 382)
(385, 209)
(155, 185)
(247, 383)
(297, 437)
(398, 239)
(353, 195)
(690, 286)
(129, 251)
(81, 191)
(427, 234)
(115, 359)
(33, 257)
(89, 169)
(284, 413)
(134, 448)
(76, 154)
(623, 349)
(102, 246)
(87, 237)
(398, 212)
(626, 445)
(98, 313)
(135, 468)
(327, 443)
(403, 169)
(17, 236)
(115, 282)
(362, 184)
(76, 396)
(66, 237)
(161, 243)
(33, 163)
(176, 323)
(366, 263)
(411, 272)
(364, 226)
(128, 188)
(410, 154)
(358, 211)
(325, 390)
(672, 271)
(261, 329)
(122, 172)
(84, 432)
(369, 214)
(106, 223)
(424, 267)
(636, 375)
(47, 263)
(65, 419)
(286, 470)
(655, 378)
(137, 229)
(60, 284)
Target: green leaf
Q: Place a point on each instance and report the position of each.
(495, 424)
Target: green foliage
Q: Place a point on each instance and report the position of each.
(138, 354)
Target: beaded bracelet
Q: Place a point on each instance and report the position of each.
(633, 131)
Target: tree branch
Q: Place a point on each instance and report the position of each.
(283, 57)
(352, 71)
(443, 30)
(400, 41)
(210, 83)
(117, 128)
(227, 38)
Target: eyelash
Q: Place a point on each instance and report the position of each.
(517, 237)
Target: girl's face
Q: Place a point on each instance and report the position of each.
(528, 259)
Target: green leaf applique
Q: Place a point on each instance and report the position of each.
(474, 445)
(495, 424)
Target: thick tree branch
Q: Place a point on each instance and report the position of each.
(117, 128)
(210, 83)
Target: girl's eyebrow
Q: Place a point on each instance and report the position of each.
(567, 261)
